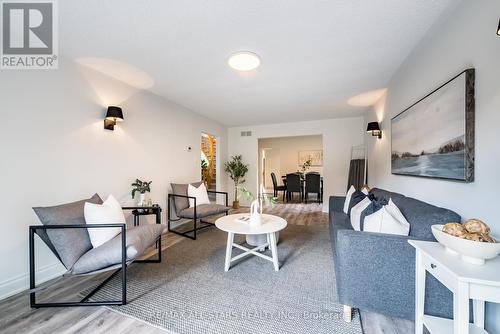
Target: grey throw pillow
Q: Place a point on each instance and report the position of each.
(182, 203)
(67, 244)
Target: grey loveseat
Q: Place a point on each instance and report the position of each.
(65, 232)
(179, 200)
(375, 271)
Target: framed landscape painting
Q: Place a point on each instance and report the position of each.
(435, 136)
(316, 157)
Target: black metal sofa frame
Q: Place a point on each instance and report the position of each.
(195, 217)
(117, 268)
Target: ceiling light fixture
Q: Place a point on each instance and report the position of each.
(244, 61)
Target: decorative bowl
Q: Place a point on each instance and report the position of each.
(474, 252)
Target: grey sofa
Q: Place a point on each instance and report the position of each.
(65, 232)
(178, 209)
(375, 271)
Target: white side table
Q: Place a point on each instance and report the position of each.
(466, 281)
(270, 225)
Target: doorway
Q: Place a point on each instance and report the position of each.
(289, 155)
(208, 160)
(269, 164)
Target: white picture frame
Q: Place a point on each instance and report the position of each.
(316, 157)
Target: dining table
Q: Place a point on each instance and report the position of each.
(303, 181)
(302, 178)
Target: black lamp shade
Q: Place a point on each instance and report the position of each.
(498, 29)
(373, 126)
(115, 113)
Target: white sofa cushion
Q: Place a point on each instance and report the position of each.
(348, 198)
(200, 193)
(356, 212)
(388, 220)
(109, 212)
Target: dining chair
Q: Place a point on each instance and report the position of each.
(277, 188)
(313, 186)
(293, 185)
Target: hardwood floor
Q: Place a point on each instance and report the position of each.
(374, 323)
(17, 317)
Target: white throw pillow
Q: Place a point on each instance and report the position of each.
(373, 222)
(348, 198)
(396, 213)
(109, 212)
(388, 220)
(356, 213)
(200, 193)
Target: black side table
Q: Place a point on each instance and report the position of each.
(139, 211)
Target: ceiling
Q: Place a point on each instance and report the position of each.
(315, 54)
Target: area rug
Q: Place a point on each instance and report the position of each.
(189, 292)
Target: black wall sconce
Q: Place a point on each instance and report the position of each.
(113, 115)
(374, 128)
(498, 29)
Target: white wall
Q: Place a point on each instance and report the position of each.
(339, 135)
(465, 38)
(283, 156)
(54, 150)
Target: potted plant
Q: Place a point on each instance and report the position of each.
(263, 198)
(204, 172)
(142, 187)
(236, 170)
(305, 166)
(256, 213)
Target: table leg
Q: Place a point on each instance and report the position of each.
(274, 251)
(158, 220)
(158, 216)
(419, 294)
(268, 243)
(478, 309)
(461, 309)
(229, 249)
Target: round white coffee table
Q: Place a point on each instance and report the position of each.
(270, 225)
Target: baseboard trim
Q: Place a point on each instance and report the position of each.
(21, 283)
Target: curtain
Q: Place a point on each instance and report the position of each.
(356, 173)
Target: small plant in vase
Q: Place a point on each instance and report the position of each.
(256, 209)
(142, 187)
(262, 199)
(236, 170)
(305, 166)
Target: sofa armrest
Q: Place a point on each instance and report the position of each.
(337, 203)
(71, 226)
(376, 272)
(183, 196)
(226, 195)
(375, 269)
(369, 251)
